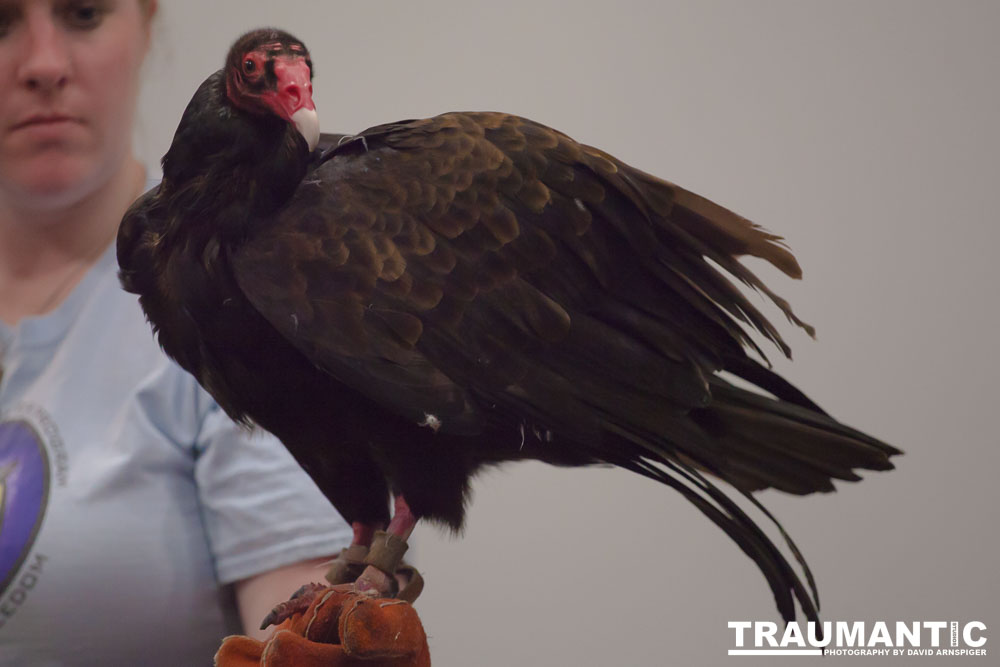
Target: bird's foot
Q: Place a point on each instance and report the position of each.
(386, 575)
(376, 583)
(348, 566)
(351, 567)
(386, 551)
(299, 602)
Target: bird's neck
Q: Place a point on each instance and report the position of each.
(228, 170)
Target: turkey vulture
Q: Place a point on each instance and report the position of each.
(433, 296)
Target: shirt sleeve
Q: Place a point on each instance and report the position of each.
(260, 509)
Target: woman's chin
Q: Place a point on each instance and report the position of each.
(47, 184)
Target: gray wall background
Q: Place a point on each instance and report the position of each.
(866, 134)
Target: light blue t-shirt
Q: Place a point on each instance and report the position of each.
(127, 496)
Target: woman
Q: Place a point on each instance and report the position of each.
(126, 497)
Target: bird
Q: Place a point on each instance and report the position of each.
(410, 305)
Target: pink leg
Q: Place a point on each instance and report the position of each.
(403, 520)
(364, 532)
(401, 525)
(350, 563)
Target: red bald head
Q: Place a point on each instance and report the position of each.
(269, 71)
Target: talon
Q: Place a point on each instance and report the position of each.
(299, 602)
(302, 590)
(270, 619)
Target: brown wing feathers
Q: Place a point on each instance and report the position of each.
(456, 264)
(492, 250)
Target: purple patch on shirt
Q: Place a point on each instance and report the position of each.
(24, 493)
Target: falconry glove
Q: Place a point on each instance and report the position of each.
(338, 629)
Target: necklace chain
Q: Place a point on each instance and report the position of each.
(64, 285)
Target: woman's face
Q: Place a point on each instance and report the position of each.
(69, 79)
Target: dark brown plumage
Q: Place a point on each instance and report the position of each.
(433, 296)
